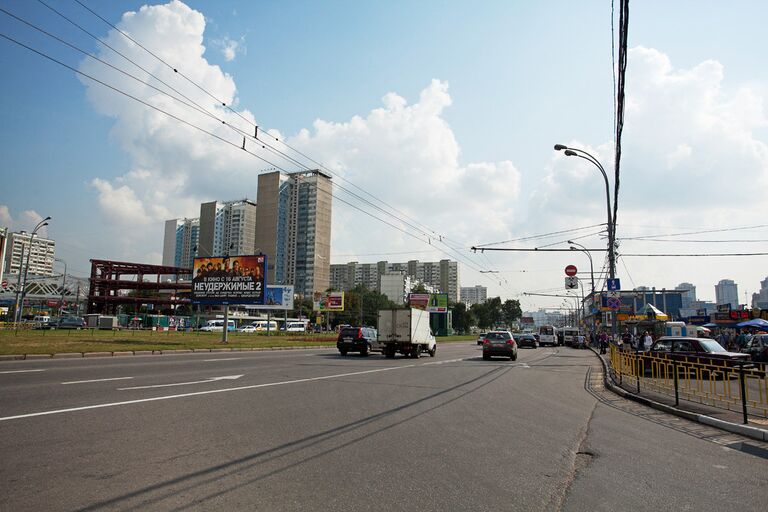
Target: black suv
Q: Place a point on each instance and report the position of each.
(356, 339)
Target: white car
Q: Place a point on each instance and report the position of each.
(296, 327)
(248, 328)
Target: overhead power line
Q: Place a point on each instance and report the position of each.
(272, 164)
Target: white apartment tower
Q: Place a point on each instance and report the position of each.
(41, 257)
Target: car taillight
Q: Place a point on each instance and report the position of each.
(510, 342)
(486, 342)
(359, 333)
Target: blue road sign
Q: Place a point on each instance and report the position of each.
(614, 285)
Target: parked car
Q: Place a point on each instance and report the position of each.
(526, 340)
(706, 350)
(250, 329)
(41, 322)
(68, 322)
(499, 343)
(357, 339)
(757, 348)
(480, 338)
(579, 341)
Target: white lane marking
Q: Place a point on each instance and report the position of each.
(95, 380)
(222, 359)
(198, 393)
(212, 379)
(22, 371)
(446, 361)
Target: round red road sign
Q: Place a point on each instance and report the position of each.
(570, 270)
(5, 283)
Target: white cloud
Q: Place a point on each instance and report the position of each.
(688, 141)
(25, 221)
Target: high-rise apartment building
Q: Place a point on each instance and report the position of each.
(442, 275)
(760, 299)
(689, 294)
(727, 292)
(294, 228)
(180, 243)
(43, 251)
(474, 294)
(227, 228)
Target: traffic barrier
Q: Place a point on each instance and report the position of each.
(738, 387)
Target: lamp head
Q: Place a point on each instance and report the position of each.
(569, 152)
(559, 147)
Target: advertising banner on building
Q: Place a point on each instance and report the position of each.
(432, 302)
(230, 280)
(330, 301)
(277, 297)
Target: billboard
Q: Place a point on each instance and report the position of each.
(277, 297)
(229, 280)
(432, 302)
(329, 301)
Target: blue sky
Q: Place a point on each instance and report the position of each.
(520, 76)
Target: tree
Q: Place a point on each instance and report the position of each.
(512, 311)
(462, 318)
(419, 288)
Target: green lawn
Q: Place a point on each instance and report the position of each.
(90, 340)
(58, 341)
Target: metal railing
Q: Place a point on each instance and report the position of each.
(733, 386)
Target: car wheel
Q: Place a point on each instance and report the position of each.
(416, 352)
(433, 351)
(364, 351)
(486, 357)
(343, 352)
(513, 357)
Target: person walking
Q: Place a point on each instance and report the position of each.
(603, 342)
(647, 341)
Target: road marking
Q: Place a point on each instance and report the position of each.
(444, 362)
(212, 379)
(95, 380)
(22, 371)
(222, 359)
(198, 393)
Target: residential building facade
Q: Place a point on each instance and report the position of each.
(227, 228)
(180, 242)
(40, 254)
(727, 292)
(442, 275)
(474, 294)
(294, 228)
(689, 294)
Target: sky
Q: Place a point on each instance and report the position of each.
(446, 112)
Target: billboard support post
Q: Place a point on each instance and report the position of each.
(225, 331)
(269, 320)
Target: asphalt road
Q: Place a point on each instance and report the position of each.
(310, 430)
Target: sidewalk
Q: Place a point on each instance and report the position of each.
(732, 421)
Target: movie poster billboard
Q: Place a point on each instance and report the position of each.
(329, 301)
(277, 297)
(230, 280)
(432, 302)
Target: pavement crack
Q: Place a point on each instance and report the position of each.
(580, 458)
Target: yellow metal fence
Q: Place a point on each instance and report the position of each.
(725, 385)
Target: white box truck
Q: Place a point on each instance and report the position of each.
(405, 331)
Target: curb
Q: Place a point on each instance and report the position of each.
(735, 428)
(75, 355)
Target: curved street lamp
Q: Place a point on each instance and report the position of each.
(583, 249)
(40, 224)
(580, 153)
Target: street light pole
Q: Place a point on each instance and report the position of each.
(40, 224)
(63, 284)
(591, 267)
(611, 228)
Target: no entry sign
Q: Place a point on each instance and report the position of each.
(570, 270)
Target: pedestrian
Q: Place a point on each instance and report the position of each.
(603, 342)
(647, 341)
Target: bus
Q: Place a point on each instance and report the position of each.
(569, 335)
(547, 335)
(218, 326)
